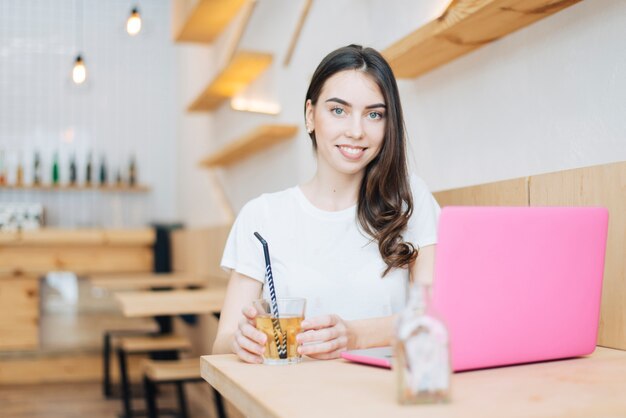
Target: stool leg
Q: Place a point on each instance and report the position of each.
(219, 404)
(106, 359)
(182, 402)
(150, 396)
(121, 357)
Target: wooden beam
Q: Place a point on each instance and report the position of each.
(296, 33)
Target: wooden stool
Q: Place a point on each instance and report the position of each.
(144, 345)
(106, 352)
(177, 372)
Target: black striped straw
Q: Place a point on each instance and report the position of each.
(282, 348)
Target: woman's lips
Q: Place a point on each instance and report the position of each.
(351, 153)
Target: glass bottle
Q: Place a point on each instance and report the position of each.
(103, 172)
(19, 175)
(422, 359)
(3, 171)
(88, 171)
(73, 173)
(37, 170)
(55, 169)
(132, 172)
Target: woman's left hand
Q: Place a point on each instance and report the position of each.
(324, 337)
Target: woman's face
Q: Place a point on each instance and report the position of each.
(349, 122)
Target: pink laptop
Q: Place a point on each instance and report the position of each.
(517, 284)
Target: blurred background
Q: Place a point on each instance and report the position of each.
(134, 131)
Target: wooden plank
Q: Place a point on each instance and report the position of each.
(585, 387)
(142, 237)
(173, 370)
(296, 33)
(82, 237)
(60, 368)
(502, 193)
(603, 185)
(19, 314)
(259, 139)
(241, 28)
(203, 21)
(243, 69)
(145, 281)
(80, 260)
(465, 26)
(173, 302)
(8, 237)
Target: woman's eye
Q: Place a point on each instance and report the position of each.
(375, 115)
(337, 111)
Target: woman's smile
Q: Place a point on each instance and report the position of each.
(351, 152)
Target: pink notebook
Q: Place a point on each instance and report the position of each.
(518, 284)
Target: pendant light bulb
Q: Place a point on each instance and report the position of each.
(133, 24)
(79, 73)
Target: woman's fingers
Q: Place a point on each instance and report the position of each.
(252, 333)
(321, 335)
(320, 322)
(249, 312)
(337, 344)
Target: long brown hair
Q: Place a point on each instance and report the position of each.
(385, 201)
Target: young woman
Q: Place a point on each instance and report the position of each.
(348, 239)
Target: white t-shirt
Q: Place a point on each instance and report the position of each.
(325, 256)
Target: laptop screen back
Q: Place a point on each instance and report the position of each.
(519, 284)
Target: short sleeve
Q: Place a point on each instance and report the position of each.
(422, 226)
(241, 252)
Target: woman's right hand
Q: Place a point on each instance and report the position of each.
(249, 342)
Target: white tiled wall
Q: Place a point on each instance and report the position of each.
(127, 106)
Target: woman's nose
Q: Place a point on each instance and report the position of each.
(355, 130)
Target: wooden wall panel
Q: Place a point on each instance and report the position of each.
(19, 313)
(502, 193)
(80, 260)
(605, 186)
(199, 251)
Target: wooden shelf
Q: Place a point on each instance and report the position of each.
(259, 139)
(465, 26)
(49, 187)
(242, 70)
(203, 20)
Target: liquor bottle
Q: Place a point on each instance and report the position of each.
(19, 175)
(88, 171)
(37, 170)
(132, 172)
(55, 169)
(422, 359)
(103, 172)
(3, 171)
(73, 172)
(118, 178)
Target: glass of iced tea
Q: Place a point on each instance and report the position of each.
(281, 346)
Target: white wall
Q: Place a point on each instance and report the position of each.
(549, 97)
(125, 107)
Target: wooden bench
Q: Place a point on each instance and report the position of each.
(177, 372)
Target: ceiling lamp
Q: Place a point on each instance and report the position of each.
(133, 24)
(79, 72)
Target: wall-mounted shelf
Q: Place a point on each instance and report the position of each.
(52, 188)
(202, 20)
(242, 70)
(466, 25)
(259, 139)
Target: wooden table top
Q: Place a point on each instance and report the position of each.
(170, 302)
(139, 281)
(592, 386)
